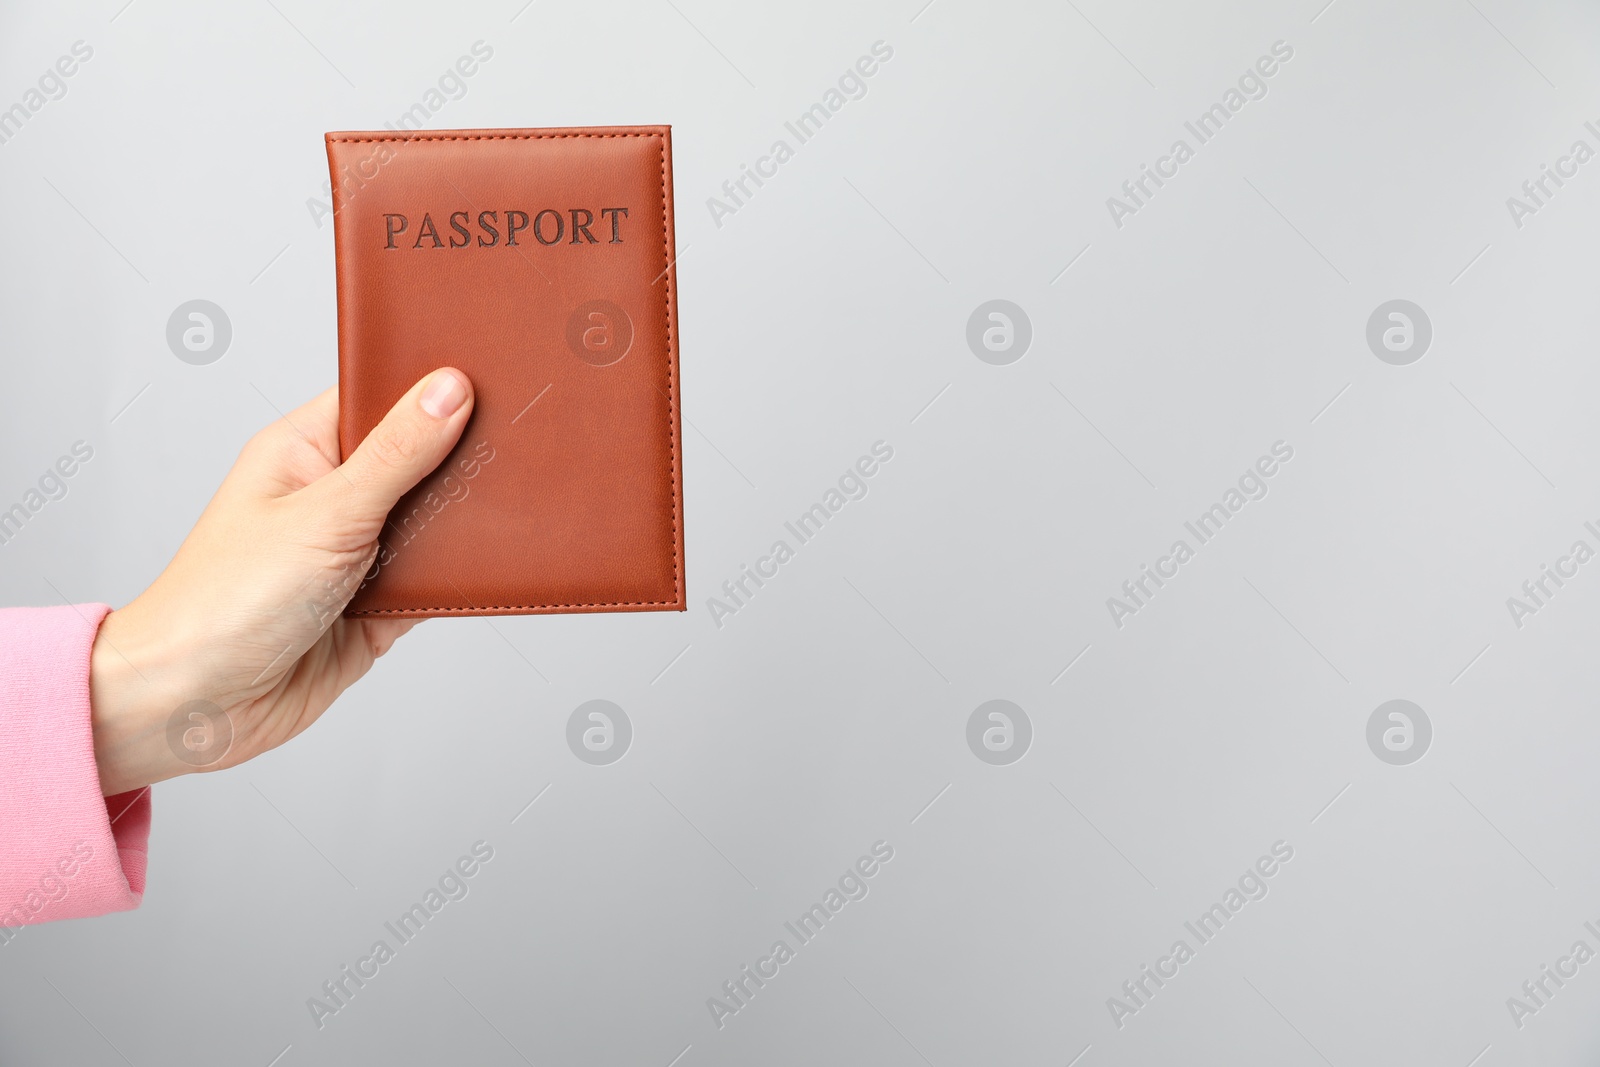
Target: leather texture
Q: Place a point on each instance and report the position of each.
(541, 263)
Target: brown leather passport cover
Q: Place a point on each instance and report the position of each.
(540, 262)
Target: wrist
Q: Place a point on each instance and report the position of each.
(134, 689)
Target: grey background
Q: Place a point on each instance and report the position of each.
(831, 712)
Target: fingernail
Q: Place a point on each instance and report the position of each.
(444, 395)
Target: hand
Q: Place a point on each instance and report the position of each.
(248, 616)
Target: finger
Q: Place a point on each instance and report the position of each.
(317, 420)
(274, 463)
(381, 634)
(413, 439)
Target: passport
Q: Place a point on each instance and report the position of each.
(541, 263)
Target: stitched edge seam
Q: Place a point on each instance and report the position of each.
(672, 397)
(519, 607)
(480, 137)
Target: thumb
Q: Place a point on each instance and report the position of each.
(413, 439)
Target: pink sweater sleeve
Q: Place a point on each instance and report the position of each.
(66, 851)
